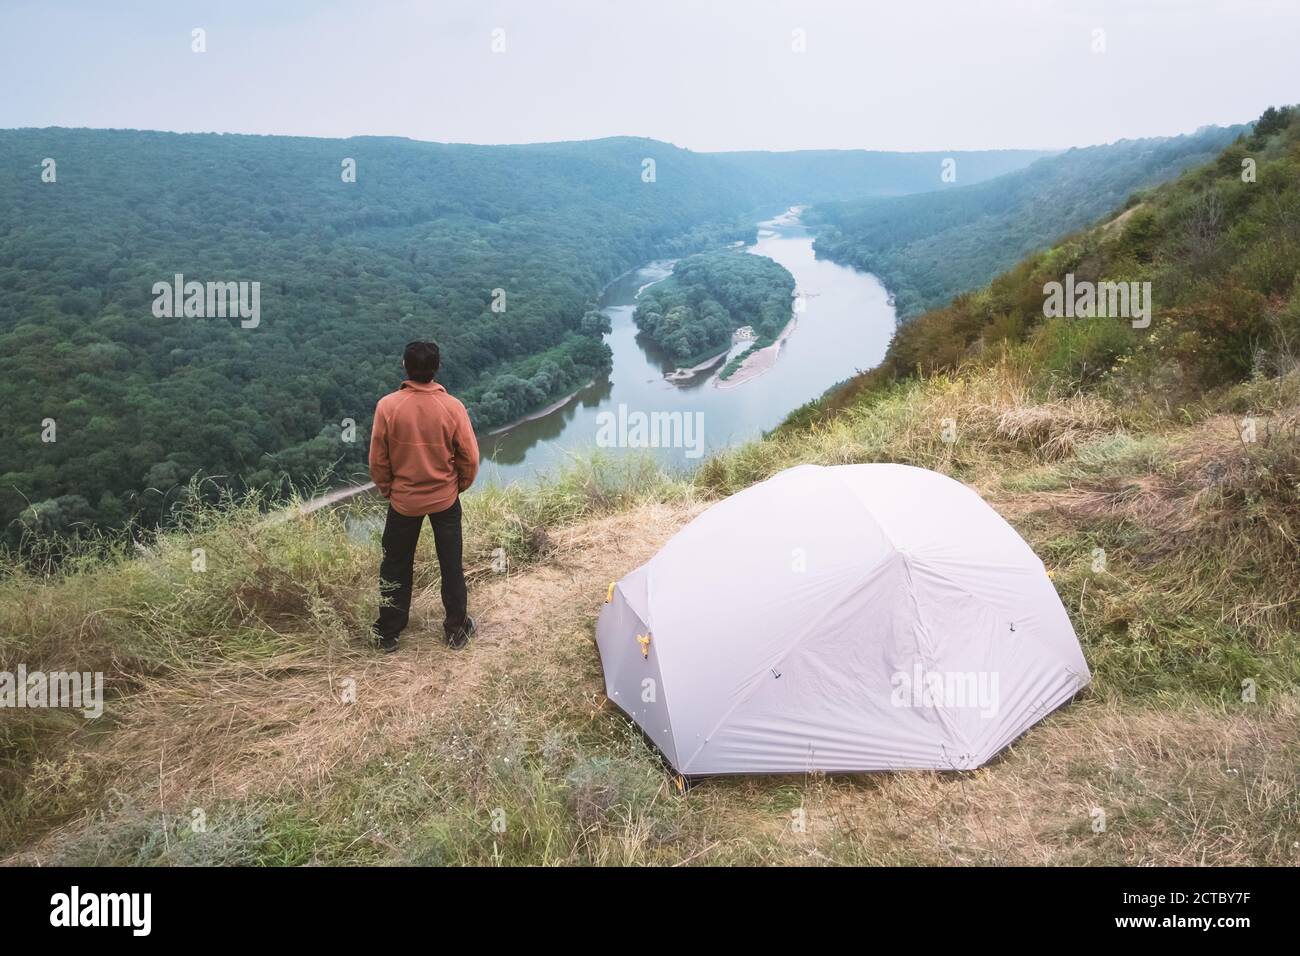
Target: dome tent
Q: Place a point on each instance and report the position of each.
(848, 618)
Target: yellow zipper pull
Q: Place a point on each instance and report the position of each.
(644, 641)
(609, 595)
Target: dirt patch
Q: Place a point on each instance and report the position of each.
(1116, 225)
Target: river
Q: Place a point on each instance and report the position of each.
(842, 326)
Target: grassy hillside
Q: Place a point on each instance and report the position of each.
(1220, 246)
(1156, 472)
(929, 247)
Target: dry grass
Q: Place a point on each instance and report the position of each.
(1190, 787)
(282, 726)
(1199, 592)
(1055, 431)
(1186, 784)
(259, 729)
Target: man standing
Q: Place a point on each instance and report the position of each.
(423, 454)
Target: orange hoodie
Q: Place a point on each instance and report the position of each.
(422, 448)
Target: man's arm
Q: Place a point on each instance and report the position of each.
(381, 470)
(466, 451)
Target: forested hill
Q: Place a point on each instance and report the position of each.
(1213, 254)
(497, 252)
(820, 175)
(929, 247)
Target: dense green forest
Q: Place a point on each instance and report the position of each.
(692, 314)
(927, 248)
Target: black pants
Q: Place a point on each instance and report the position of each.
(401, 534)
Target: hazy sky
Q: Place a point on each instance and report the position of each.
(704, 74)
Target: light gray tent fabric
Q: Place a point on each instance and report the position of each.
(849, 618)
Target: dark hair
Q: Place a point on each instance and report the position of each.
(421, 360)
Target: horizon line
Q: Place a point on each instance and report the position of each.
(597, 139)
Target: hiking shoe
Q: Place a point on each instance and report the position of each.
(386, 644)
(458, 638)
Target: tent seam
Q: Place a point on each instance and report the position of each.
(793, 647)
(663, 684)
(997, 613)
(865, 507)
(916, 605)
(931, 654)
(931, 650)
(802, 637)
